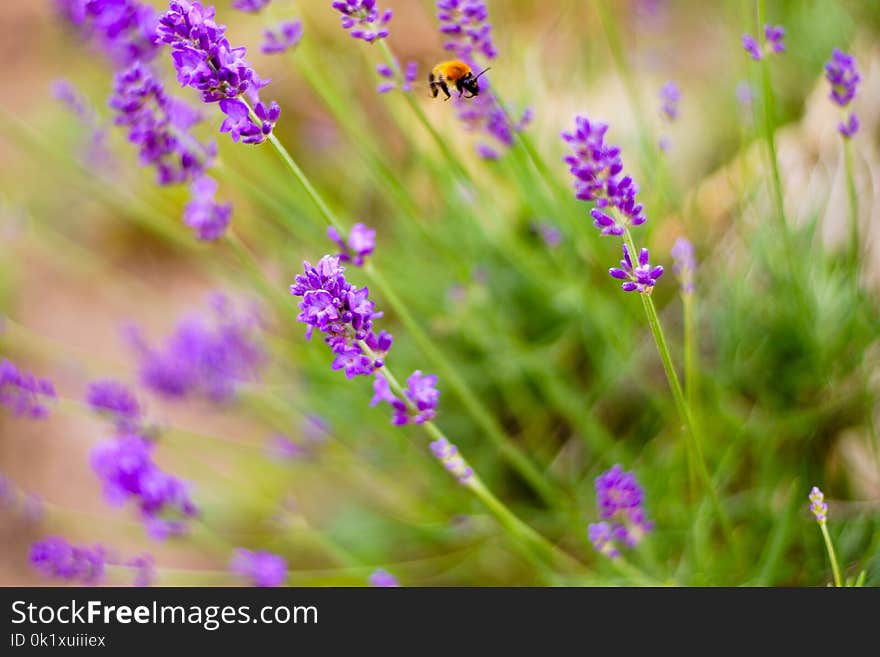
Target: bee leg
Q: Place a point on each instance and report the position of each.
(445, 89)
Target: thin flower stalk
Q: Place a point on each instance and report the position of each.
(512, 453)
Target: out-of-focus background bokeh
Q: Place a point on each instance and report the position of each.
(90, 245)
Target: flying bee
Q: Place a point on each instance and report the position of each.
(454, 72)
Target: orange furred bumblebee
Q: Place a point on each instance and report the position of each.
(457, 73)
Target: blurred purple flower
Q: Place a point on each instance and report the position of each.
(361, 243)
(205, 60)
(160, 126)
(127, 471)
(117, 401)
(124, 30)
(260, 568)
(23, 393)
(621, 505)
(282, 448)
(421, 398)
(144, 570)
(642, 278)
(551, 235)
(448, 455)
(818, 507)
(282, 38)
(684, 264)
(670, 95)
(465, 24)
(207, 217)
(363, 19)
(383, 579)
(773, 36)
(844, 78)
(251, 6)
(96, 154)
(210, 354)
(387, 77)
(55, 557)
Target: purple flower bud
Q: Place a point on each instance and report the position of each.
(55, 557)
(684, 264)
(363, 15)
(284, 37)
(23, 393)
(619, 498)
(818, 506)
(383, 579)
(259, 568)
(641, 278)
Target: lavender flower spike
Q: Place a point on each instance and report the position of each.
(842, 75)
(640, 279)
(284, 37)
(818, 506)
(421, 401)
(361, 243)
(117, 401)
(260, 568)
(24, 393)
(203, 214)
(205, 60)
(465, 24)
(620, 501)
(597, 169)
(363, 20)
(343, 313)
(670, 95)
(55, 557)
(684, 264)
(447, 453)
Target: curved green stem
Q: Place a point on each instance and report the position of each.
(680, 402)
(832, 555)
(855, 246)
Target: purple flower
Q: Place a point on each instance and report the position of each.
(844, 78)
(361, 243)
(465, 25)
(203, 214)
(160, 126)
(127, 471)
(315, 428)
(597, 169)
(251, 6)
(642, 278)
(486, 115)
(420, 398)
(343, 313)
(117, 401)
(144, 570)
(620, 501)
(670, 95)
(388, 83)
(260, 568)
(602, 537)
(448, 455)
(774, 36)
(23, 393)
(282, 448)
(551, 235)
(123, 29)
(205, 60)
(363, 20)
(383, 579)
(284, 37)
(55, 557)
(818, 506)
(208, 354)
(684, 264)
(774, 43)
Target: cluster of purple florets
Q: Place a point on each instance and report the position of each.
(388, 81)
(344, 313)
(465, 26)
(363, 19)
(206, 61)
(127, 469)
(597, 168)
(621, 508)
(259, 568)
(773, 42)
(23, 393)
(56, 558)
(844, 78)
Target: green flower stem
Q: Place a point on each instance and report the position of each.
(680, 402)
(517, 458)
(855, 246)
(832, 556)
(691, 368)
(528, 537)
